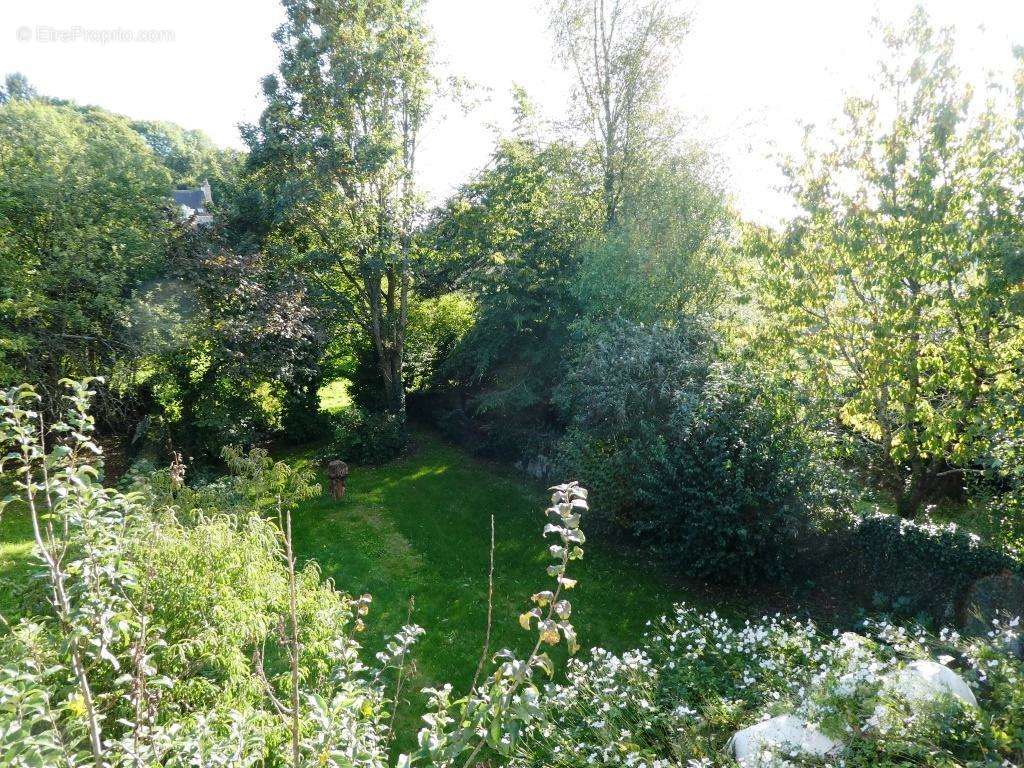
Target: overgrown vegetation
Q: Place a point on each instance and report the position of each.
(803, 412)
(696, 679)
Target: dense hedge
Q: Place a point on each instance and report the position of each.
(906, 569)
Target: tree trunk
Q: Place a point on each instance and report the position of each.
(391, 369)
(915, 491)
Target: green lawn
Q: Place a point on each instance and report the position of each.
(15, 563)
(419, 528)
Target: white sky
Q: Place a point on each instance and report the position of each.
(749, 72)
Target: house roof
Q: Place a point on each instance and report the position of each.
(193, 198)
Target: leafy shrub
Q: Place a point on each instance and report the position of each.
(177, 624)
(703, 461)
(302, 419)
(180, 632)
(436, 326)
(909, 570)
(697, 679)
(363, 437)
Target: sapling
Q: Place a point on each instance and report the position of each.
(495, 711)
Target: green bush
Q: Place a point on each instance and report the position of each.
(361, 437)
(696, 679)
(708, 464)
(908, 570)
(177, 622)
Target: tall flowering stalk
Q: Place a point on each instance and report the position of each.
(494, 713)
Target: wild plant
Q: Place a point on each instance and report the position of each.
(494, 713)
(103, 680)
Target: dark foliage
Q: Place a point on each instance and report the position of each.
(707, 463)
(361, 437)
(908, 570)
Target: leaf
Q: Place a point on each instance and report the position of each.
(543, 598)
(543, 661)
(549, 632)
(524, 618)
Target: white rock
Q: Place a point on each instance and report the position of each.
(786, 733)
(922, 681)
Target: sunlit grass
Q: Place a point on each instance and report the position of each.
(334, 396)
(15, 559)
(419, 529)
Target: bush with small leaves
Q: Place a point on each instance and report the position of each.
(362, 437)
(178, 631)
(707, 463)
(697, 679)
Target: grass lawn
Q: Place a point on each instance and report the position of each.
(15, 563)
(419, 528)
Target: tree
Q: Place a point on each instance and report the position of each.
(192, 157)
(895, 285)
(17, 88)
(620, 52)
(84, 222)
(512, 237)
(664, 261)
(228, 336)
(335, 150)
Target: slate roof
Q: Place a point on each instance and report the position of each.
(193, 198)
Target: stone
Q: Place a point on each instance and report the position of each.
(995, 598)
(786, 734)
(925, 681)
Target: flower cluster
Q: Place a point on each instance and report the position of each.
(697, 679)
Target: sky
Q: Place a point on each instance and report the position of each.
(749, 74)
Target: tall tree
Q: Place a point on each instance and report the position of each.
(620, 53)
(514, 235)
(895, 286)
(16, 87)
(335, 151)
(84, 223)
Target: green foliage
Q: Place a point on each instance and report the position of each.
(436, 327)
(365, 437)
(895, 293)
(229, 336)
(192, 157)
(16, 88)
(695, 680)
(880, 561)
(514, 236)
(84, 224)
(620, 55)
(173, 615)
(334, 154)
(702, 461)
(666, 254)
